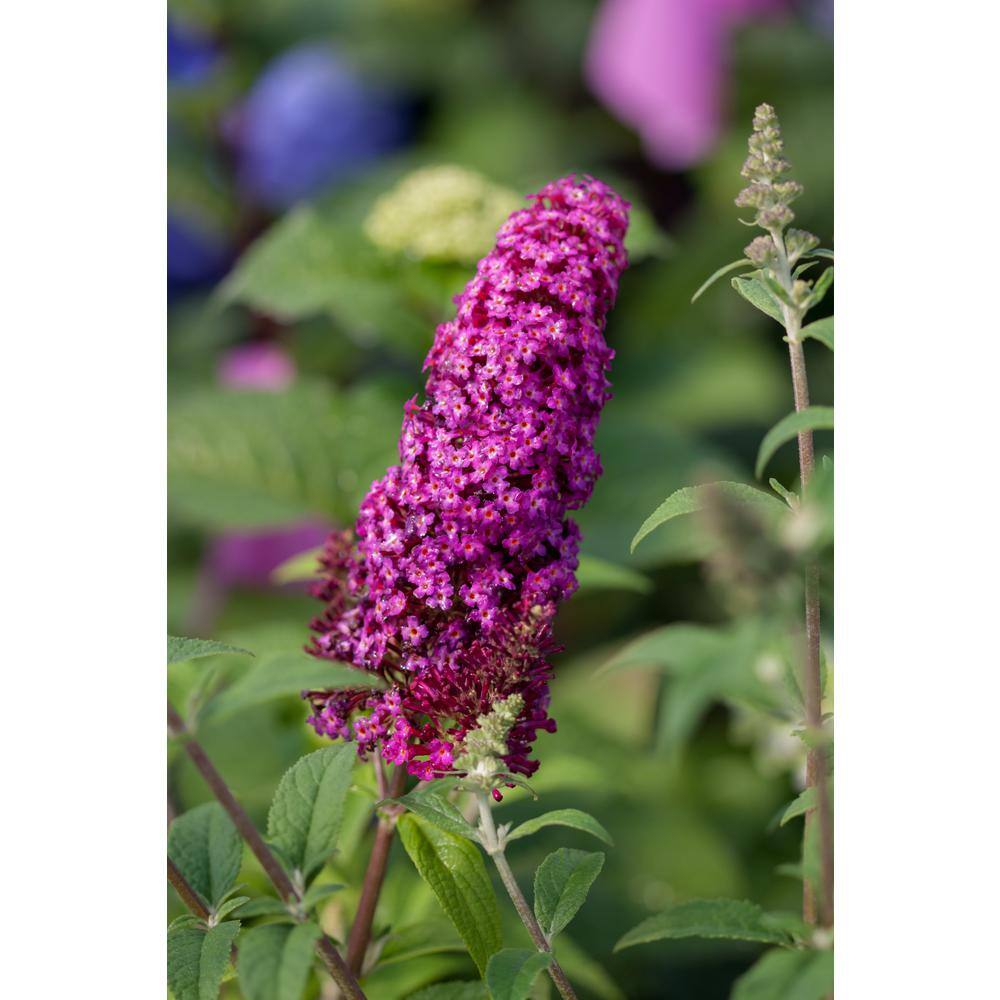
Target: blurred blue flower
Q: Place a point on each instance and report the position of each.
(191, 55)
(195, 256)
(309, 121)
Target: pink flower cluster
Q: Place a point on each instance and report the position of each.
(464, 549)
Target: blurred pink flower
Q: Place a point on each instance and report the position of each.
(260, 366)
(660, 66)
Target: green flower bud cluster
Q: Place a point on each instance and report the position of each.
(482, 751)
(764, 168)
(443, 213)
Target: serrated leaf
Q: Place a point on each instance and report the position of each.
(308, 807)
(812, 418)
(821, 330)
(714, 277)
(787, 975)
(454, 869)
(180, 648)
(562, 882)
(452, 991)
(275, 960)
(735, 919)
(280, 675)
(800, 806)
(600, 574)
(690, 499)
(576, 819)
(511, 972)
(197, 960)
(300, 567)
(433, 806)
(755, 292)
(206, 847)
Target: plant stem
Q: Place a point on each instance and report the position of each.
(336, 966)
(194, 902)
(361, 929)
(495, 850)
(186, 891)
(812, 688)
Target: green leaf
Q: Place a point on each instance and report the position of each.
(263, 906)
(562, 882)
(207, 849)
(239, 458)
(305, 816)
(315, 894)
(180, 648)
(197, 960)
(736, 919)
(822, 286)
(800, 806)
(820, 252)
(583, 970)
(275, 960)
(284, 674)
(600, 574)
(812, 418)
(433, 806)
(787, 975)
(821, 330)
(690, 499)
(427, 937)
(789, 496)
(755, 292)
(725, 269)
(452, 991)
(229, 905)
(511, 972)
(573, 818)
(300, 567)
(454, 869)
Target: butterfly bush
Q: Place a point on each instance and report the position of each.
(462, 552)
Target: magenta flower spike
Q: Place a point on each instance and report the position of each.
(463, 551)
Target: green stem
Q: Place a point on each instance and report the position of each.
(491, 842)
(816, 776)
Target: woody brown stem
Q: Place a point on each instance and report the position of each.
(361, 929)
(331, 958)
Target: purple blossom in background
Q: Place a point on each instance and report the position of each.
(248, 558)
(464, 549)
(261, 365)
(660, 66)
(191, 55)
(196, 255)
(307, 122)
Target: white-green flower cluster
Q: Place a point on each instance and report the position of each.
(482, 751)
(444, 213)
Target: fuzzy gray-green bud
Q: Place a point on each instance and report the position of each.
(764, 168)
(482, 751)
(761, 251)
(799, 242)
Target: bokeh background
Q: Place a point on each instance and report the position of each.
(304, 286)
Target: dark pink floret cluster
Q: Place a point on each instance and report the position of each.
(463, 550)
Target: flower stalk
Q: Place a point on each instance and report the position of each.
(493, 844)
(361, 929)
(770, 193)
(328, 953)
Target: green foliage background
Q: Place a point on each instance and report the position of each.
(689, 784)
